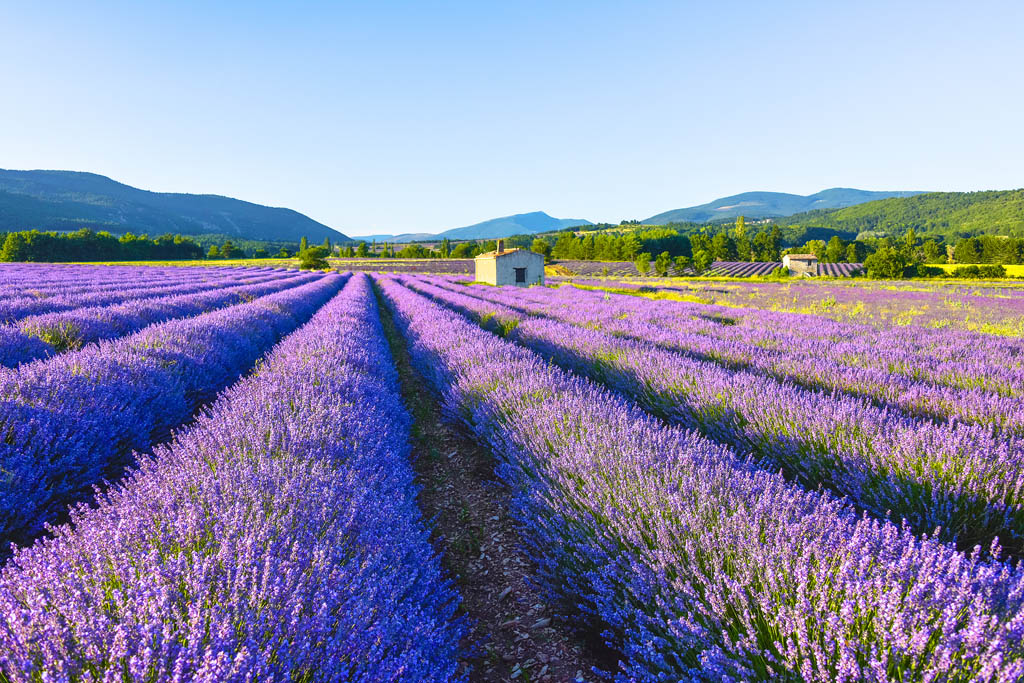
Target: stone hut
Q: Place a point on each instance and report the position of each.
(801, 264)
(517, 267)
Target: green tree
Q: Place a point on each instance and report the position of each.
(967, 251)
(933, 252)
(835, 251)
(723, 247)
(702, 260)
(741, 228)
(855, 252)
(313, 258)
(284, 253)
(303, 244)
(15, 248)
(776, 243)
(631, 247)
(762, 249)
(228, 250)
(643, 263)
(816, 247)
(744, 249)
(541, 246)
(362, 250)
(214, 252)
(700, 242)
(887, 262)
(260, 253)
(446, 248)
(663, 263)
(413, 251)
(465, 250)
(682, 263)
(909, 244)
(587, 249)
(327, 245)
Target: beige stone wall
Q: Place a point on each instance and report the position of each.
(486, 270)
(501, 270)
(798, 267)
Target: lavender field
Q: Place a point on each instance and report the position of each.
(218, 474)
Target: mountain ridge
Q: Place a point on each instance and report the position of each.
(69, 200)
(760, 204)
(999, 212)
(530, 223)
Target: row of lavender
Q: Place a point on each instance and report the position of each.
(963, 479)
(139, 282)
(278, 538)
(694, 562)
(73, 420)
(742, 269)
(43, 275)
(996, 306)
(941, 356)
(39, 336)
(136, 285)
(887, 368)
(761, 268)
(42, 279)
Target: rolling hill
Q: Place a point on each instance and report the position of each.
(69, 200)
(998, 212)
(769, 205)
(519, 224)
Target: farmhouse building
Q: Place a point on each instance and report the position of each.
(801, 264)
(517, 267)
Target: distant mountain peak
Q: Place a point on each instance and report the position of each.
(770, 205)
(529, 223)
(69, 200)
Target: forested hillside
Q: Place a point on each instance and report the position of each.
(951, 214)
(68, 200)
(769, 204)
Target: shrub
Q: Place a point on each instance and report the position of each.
(966, 271)
(996, 270)
(921, 270)
(643, 263)
(682, 263)
(313, 258)
(662, 264)
(885, 263)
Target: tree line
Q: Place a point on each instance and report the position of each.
(87, 245)
(953, 215)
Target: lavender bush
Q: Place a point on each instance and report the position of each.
(960, 479)
(73, 420)
(696, 564)
(74, 328)
(135, 286)
(276, 539)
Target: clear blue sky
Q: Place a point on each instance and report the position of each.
(392, 117)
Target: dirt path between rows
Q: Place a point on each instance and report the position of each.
(518, 637)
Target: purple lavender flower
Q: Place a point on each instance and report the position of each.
(277, 538)
(693, 561)
(72, 421)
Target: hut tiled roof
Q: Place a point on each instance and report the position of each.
(496, 254)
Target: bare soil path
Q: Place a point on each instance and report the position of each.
(519, 637)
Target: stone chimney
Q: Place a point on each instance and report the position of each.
(500, 247)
